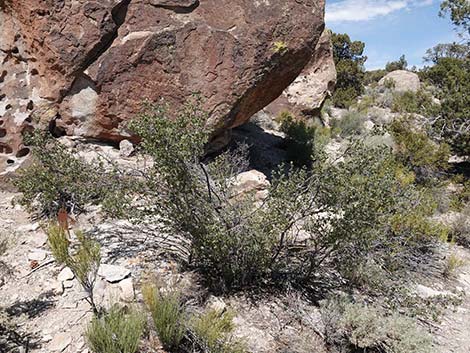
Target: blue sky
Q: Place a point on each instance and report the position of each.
(391, 28)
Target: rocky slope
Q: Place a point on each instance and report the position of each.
(84, 67)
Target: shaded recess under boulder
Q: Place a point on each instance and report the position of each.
(84, 67)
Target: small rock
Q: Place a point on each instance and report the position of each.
(68, 284)
(46, 338)
(248, 182)
(65, 275)
(29, 227)
(113, 273)
(67, 142)
(58, 287)
(80, 344)
(39, 239)
(369, 125)
(33, 264)
(60, 342)
(37, 255)
(126, 148)
(127, 290)
(216, 304)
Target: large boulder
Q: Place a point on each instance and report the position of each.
(306, 95)
(84, 67)
(403, 81)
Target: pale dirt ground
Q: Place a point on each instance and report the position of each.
(454, 333)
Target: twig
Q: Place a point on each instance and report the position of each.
(38, 268)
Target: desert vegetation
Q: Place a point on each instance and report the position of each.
(369, 202)
(359, 222)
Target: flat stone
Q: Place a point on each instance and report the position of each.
(46, 338)
(216, 304)
(60, 342)
(369, 125)
(65, 275)
(39, 239)
(427, 292)
(113, 273)
(32, 227)
(72, 305)
(37, 255)
(68, 284)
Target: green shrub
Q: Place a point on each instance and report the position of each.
(345, 97)
(461, 196)
(57, 179)
(415, 149)
(354, 326)
(235, 244)
(84, 263)
(345, 209)
(373, 77)
(389, 83)
(365, 103)
(411, 102)
(300, 139)
(452, 77)
(350, 124)
(211, 332)
(452, 264)
(168, 315)
(117, 331)
(461, 228)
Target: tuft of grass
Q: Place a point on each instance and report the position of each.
(84, 263)
(350, 124)
(58, 243)
(453, 263)
(212, 332)
(116, 331)
(353, 326)
(461, 228)
(168, 315)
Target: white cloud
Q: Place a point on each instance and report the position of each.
(364, 10)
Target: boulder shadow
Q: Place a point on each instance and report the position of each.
(266, 149)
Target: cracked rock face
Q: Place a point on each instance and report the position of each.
(306, 95)
(84, 67)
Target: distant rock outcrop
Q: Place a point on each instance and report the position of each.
(403, 81)
(84, 67)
